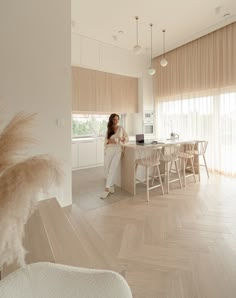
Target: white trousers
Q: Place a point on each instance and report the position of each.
(111, 162)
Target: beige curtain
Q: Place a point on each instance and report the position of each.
(199, 67)
(196, 96)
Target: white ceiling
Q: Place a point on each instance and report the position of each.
(184, 20)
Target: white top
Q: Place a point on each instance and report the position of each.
(120, 133)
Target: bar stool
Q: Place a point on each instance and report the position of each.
(187, 155)
(201, 150)
(169, 156)
(148, 157)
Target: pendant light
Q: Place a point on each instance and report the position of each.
(137, 48)
(151, 70)
(163, 61)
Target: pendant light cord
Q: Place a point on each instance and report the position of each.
(151, 70)
(136, 29)
(164, 51)
(151, 44)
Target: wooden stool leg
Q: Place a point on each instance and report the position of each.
(178, 173)
(184, 166)
(199, 169)
(192, 164)
(159, 175)
(154, 173)
(205, 165)
(167, 178)
(147, 181)
(135, 181)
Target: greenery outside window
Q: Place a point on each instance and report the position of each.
(91, 125)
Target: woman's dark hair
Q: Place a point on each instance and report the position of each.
(110, 127)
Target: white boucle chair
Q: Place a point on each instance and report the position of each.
(49, 280)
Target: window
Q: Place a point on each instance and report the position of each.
(91, 125)
(211, 118)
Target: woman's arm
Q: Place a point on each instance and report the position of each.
(125, 137)
(109, 141)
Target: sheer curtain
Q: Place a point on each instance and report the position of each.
(211, 118)
(195, 96)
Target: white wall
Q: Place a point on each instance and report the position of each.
(35, 58)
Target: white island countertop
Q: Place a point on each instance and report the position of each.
(158, 143)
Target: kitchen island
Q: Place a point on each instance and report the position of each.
(127, 170)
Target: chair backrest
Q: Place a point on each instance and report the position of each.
(148, 156)
(50, 280)
(189, 148)
(171, 152)
(202, 146)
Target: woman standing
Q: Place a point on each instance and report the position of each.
(116, 136)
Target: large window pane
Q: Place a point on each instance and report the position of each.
(91, 125)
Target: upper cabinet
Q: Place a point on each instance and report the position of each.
(103, 91)
(131, 94)
(98, 91)
(83, 89)
(118, 87)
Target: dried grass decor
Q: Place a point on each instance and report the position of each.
(21, 179)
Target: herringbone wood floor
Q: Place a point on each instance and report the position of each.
(180, 245)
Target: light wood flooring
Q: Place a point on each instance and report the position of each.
(180, 245)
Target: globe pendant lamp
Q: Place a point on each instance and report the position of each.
(151, 70)
(137, 48)
(163, 61)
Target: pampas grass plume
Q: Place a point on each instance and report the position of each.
(20, 182)
(15, 138)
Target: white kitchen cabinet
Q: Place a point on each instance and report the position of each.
(100, 151)
(87, 153)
